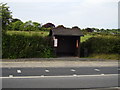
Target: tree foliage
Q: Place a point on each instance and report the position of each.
(15, 19)
(5, 15)
(60, 26)
(48, 25)
(30, 26)
(16, 25)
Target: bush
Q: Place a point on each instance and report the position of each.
(23, 46)
(101, 44)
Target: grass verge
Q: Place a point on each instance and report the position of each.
(29, 33)
(105, 56)
(86, 37)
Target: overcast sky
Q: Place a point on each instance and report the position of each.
(81, 13)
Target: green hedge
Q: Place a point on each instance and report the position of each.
(101, 44)
(21, 46)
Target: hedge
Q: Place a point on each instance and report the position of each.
(101, 44)
(21, 46)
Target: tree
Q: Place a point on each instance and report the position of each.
(28, 26)
(102, 30)
(95, 29)
(5, 15)
(48, 25)
(89, 30)
(15, 19)
(16, 25)
(36, 25)
(76, 27)
(22, 27)
(60, 26)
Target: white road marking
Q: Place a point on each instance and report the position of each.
(47, 70)
(10, 76)
(62, 76)
(73, 70)
(102, 74)
(18, 71)
(42, 76)
(74, 75)
(97, 70)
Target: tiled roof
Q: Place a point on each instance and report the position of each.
(66, 31)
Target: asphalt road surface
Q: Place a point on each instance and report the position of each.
(70, 77)
(60, 71)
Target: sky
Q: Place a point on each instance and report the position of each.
(82, 13)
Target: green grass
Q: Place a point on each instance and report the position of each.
(86, 37)
(29, 33)
(105, 56)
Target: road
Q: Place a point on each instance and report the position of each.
(58, 71)
(60, 77)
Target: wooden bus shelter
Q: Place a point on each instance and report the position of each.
(66, 41)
